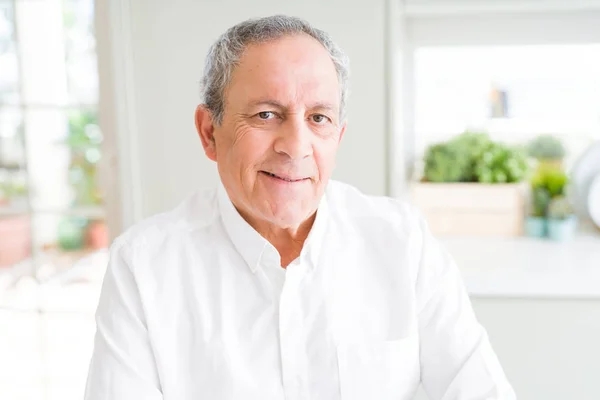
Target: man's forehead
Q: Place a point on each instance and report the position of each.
(298, 44)
(286, 74)
(295, 55)
(285, 90)
(289, 91)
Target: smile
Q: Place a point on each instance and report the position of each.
(284, 178)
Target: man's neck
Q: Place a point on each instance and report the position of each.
(287, 241)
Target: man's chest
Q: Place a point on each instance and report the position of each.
(330, 331)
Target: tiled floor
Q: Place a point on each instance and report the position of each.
(46, 332)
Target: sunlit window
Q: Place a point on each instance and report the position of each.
(53, 234)
(513, 92)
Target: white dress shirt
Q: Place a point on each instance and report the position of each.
(195, 305)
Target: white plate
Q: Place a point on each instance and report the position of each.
(582, 175)
(594, 201)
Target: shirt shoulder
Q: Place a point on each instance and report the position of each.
(197, 211)
(348, 202)
(391, 232)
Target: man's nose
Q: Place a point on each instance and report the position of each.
(294, 139)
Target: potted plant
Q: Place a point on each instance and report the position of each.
(12, 192)
(536, 224)
(97, 235)
(548, 150)
(548, 202)
(471, 185)
(85, 142)
(562, 221)
(71, 233)
(15, 230)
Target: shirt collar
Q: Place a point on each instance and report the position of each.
(252, 246)
(316, 237)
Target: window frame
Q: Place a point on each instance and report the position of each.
(427, 23)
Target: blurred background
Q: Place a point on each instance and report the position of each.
(485, 114)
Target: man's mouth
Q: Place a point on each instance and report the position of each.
(283, 177)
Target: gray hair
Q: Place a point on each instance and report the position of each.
(225, 53)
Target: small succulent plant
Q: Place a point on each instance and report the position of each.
(546, 147)
(560, 208)
(554, 180)
(540, 201)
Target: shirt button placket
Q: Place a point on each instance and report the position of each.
(291, 330)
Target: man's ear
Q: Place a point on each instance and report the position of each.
(206, 130)
(342, 132)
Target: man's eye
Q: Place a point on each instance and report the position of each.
(320, 118)
(266, 115)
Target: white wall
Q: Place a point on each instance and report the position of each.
(169, 43)
(550, 349)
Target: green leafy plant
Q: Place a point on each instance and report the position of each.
(546, 147)
(547, 185)
(71, 233)
(11, 189)
(554, 180)
(470, 142)
(85, 141)
(500, 163)
(471, 145)
(443, 163)
(473, 157)
(540, 201)
(560, 208)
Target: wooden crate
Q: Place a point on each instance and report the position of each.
(472, 209)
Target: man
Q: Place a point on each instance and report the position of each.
(281, 284)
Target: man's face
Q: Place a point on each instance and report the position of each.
(276, 147)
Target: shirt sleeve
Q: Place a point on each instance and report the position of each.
(457, 359)
(122, 365)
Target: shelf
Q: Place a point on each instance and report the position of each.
(64, 282)
(13, 167)
(13, 210)
(529, 268)
(516, 126)
(92, 212)
(428, 8)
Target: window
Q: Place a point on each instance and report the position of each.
(513, 92)
(53, 235)
(513, 71)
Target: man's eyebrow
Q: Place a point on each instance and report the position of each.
(267, 102)
(274, 103)
(324, 106)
